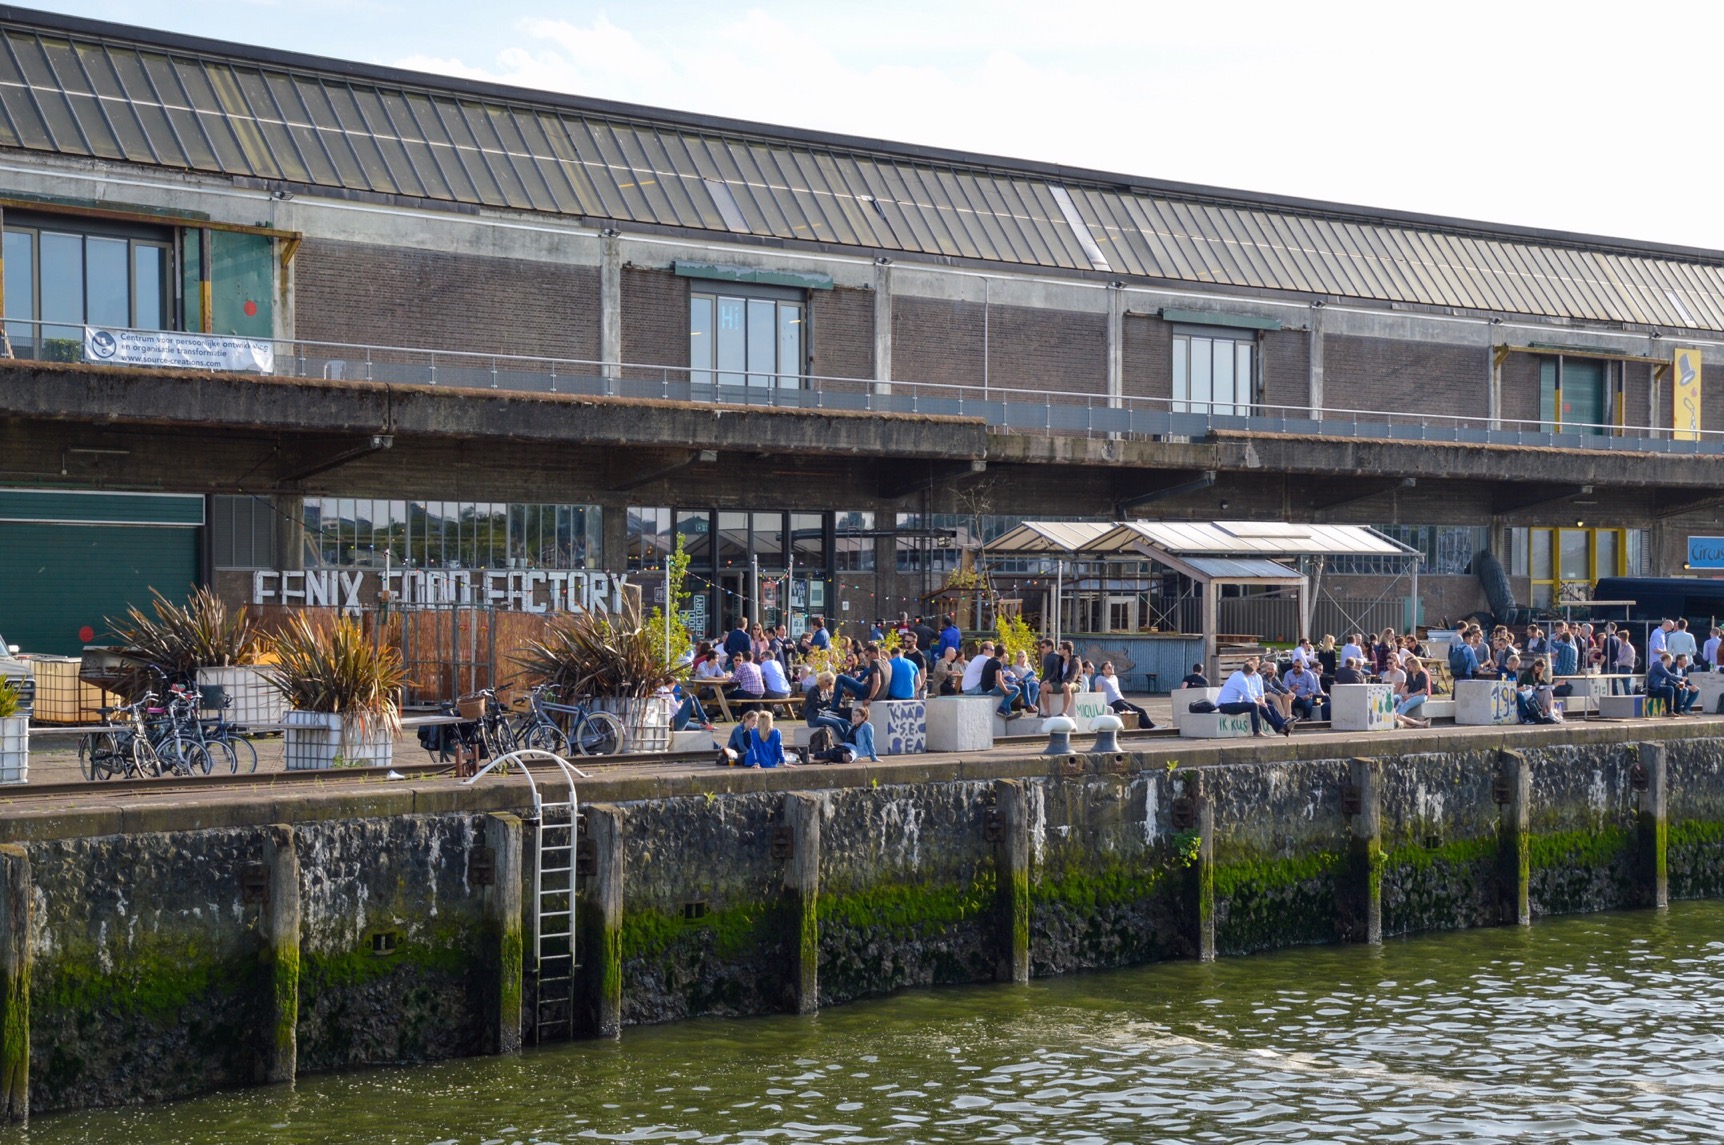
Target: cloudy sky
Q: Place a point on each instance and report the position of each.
(1575, 116)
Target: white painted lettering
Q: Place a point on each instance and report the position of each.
(263, 585)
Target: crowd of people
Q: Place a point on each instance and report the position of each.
(838, 676)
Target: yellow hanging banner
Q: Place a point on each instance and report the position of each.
(1685, 409)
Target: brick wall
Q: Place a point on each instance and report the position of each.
(1286, 368)
(1637, 393)
(1414, 377)
(841, 323)
(655, 319)
(1520, 382)
(357, 292)
(936, 341)
(1042, 350)
(1148, 357)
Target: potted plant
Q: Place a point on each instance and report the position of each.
(14, 735)
(341, 687)
(201, 642)
(611, 666)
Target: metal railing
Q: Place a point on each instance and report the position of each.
(1042, 411)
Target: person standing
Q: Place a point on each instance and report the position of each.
(905, 681)
(1710, 652)
(913, 653)
(819, 639)
(738, 641)
(950, 637)
(1680, 642)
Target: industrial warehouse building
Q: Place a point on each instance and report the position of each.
(473, 343)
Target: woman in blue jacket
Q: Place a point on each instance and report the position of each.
(766, 744)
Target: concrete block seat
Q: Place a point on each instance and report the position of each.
(1362, 708)
(962, 723)
(1086, 706)
(900, 726)
(1711, 685)
(1480, 703)
(1216, 725)
(1622, 707)
(1437, 708)
(1183, 698)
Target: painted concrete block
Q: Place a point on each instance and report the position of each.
(1438, 708)
(1622, 707)
(1362, 708)
(900, 726)
(1711, 685)
(961, 723)
(1483, 702)
(1183, 698)
(1216, 725)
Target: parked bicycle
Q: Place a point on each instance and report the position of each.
(586, 732)
(151, 741)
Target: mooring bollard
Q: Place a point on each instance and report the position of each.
(1059, 729)
(1106, 727)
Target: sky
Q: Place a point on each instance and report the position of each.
(1572, 117)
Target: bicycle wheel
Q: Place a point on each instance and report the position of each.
(99, 756)
(221, 755)
(244, 753)
(547, 737)
(599, 733)
(142, 759)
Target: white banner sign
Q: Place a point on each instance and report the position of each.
(178, 351)
(531, 590)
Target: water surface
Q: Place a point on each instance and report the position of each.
(1594, 1028)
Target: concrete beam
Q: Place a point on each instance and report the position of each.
(802, 895)
(17, 902)
(1518, 497)
(1195, 483)
(1363, 490)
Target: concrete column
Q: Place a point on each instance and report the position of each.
(802, 897)
(1514, 836)
(1362, 920)
(1493, 381)
(1316, 362)
(1653, 829)
(503, 931)
(610, 304)
(1011, 804)
(883, 326)
(289, 533)
(603, 940)
(1205, 872)
(16, 903)
(281, 927)
(614, 538)
(1115, 345)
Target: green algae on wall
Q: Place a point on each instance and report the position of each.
(1695, 851)
(1262, 903)
(1446, 887)
(1581, 870)
(874, 940)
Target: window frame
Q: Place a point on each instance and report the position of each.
(1181, 357)
(707, 369)
(162, 239)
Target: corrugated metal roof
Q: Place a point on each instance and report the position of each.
(1225, 568)
(71, 87)
(1188, 539)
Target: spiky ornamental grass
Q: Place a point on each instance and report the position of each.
(586, 654)
(335, 667)
(180, 639)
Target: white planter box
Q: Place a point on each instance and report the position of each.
(313, 741)
(15, 749)
(257, 699)
(646, 722)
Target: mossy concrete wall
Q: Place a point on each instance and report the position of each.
(156, 971)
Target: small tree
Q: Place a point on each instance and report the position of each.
(1015, 636)
(664, 626)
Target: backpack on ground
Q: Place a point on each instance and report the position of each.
(821, 740)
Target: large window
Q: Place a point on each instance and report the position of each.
(346, 531)
(65, 276)
(753, 339)
(1564, 563)
(1214, 371)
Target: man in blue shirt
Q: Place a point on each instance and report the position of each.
(819, 638)
(738, 640)
(1242, 695)
(1309, 702)
(950, 637)
(1565, 655)
(902, 685)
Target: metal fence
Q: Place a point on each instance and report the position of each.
(1040, 412)
(1276, 619)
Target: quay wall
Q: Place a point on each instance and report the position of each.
(154, 951)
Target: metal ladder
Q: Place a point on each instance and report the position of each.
(556, 837)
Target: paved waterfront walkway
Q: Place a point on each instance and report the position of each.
(427, 786)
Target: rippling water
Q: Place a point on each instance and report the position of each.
(1597, 1028)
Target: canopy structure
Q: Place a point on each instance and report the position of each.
(1211, 554)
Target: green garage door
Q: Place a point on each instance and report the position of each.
(59, 581)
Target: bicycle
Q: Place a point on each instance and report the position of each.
(217, 732)
(589, 733)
